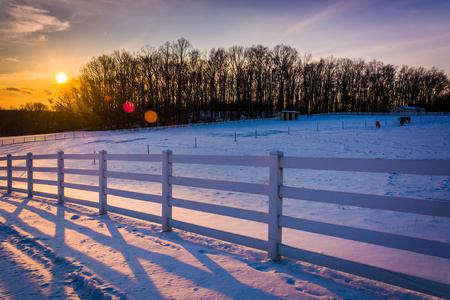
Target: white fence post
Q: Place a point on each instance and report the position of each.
(275, 204)
(102, 167)
(166, 190)
(60, 167)
(9, 174)
(29, 165)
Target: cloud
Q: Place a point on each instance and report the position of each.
(325, 14)
(26, 21)
(11, 59)
(12, 89)
(15, 90)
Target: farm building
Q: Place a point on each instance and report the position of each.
(407, 109)
(285, 115)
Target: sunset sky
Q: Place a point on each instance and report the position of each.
(40, 38)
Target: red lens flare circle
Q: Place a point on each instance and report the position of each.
(128, 107)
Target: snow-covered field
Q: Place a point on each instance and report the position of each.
(120, 256)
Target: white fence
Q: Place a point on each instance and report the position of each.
(81, 134)
(275, 190)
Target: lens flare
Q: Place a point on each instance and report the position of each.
(151, 116)
(128, 107)
(107, 98)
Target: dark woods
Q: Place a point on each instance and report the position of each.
(183, 85)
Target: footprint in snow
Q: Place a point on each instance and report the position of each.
(290, 281)
(260, 268)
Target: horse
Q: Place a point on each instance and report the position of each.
(404, 120)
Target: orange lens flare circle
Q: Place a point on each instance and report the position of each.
(128, 107)
(151, 116)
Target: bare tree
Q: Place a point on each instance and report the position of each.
(180, 50)
(284, 59)
(258, 58)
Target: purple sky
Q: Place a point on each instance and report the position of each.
(39, 38)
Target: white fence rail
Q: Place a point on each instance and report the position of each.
(82, 134)
(276, 192)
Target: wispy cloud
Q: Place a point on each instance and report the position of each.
(11, 59)
(15, 90)
(12, 89)
(325, 14)
(28, 21)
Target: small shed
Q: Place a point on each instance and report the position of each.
(286, 115)
(407, 109)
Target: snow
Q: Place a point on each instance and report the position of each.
(71, 252)
(413, 108)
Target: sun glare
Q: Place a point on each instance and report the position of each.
(61, 78)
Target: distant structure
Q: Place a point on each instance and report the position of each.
(407, 109)
(286, 115)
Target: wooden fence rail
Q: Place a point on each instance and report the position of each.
(276, 191)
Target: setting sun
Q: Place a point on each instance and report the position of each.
(61, 78)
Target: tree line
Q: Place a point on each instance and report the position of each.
(185, 85)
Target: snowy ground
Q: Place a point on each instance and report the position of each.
(69, 251)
